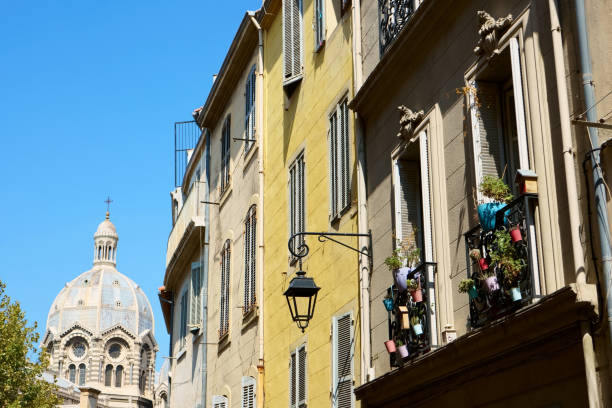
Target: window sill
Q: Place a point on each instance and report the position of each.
(319, 47)
(225, 194)
(250, 154)
(250, 316)
(224, 342)
(181, 354)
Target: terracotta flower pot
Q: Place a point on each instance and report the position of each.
(492, 283)
(403, 351)
(515, 234)
(390, 345)
(417, 295)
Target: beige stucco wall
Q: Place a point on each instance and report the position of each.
(430, 74)
(237, 355)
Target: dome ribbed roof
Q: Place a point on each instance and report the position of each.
(100, 299)
(106, 229)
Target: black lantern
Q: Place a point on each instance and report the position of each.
(301, 298)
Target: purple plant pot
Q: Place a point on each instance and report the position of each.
(403, 351)
(492, 283)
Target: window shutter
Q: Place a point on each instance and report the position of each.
(253, 248)
(487, 136)
(344, 151)
(195, 294)
(319, 23)
(410, 197)
(296, 198)
(342, 396)
(249, 258)
(248, 392)
(519, 106)
(219, 401)
(301, 372)
(249, 98)
(225, 274)
(333, 164)
(292, 380)
(292, 41)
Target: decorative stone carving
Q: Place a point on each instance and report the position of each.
(408, 121)
(490, 32)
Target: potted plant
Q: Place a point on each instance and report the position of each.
(388, 302)
(515, 234)
(402, 349)
(413, 286)
(390, 345)
(495, 189)
(468, 286)
(507, 258)
(402, 255)
(417, 327)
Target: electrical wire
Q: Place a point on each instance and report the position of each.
(594, 105)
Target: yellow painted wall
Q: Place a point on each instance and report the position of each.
(302, 122)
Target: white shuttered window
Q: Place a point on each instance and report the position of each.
(339, 175)
(196, 294)
(225, 153)
(249, 101)
(183, 321)
(342, 361)
(319, 24)
(225, 285)
(220, 401)
(296, 198)
(292, 39)
(297, 378)
(250, 248)
(248, 392)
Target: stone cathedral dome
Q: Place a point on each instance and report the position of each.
(100, 330)
(102, 297)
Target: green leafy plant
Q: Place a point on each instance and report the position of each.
(412, 285)
(413, 255)
(495, 189)
(505, 257)
(465, 285)
(396, 260)
(415, 319)
(475, 254)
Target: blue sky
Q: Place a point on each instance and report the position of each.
(89, 92)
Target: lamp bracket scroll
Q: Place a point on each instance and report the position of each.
(302, 249)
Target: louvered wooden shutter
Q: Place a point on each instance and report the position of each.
(219, 401)
(487, 135)
(248, 392)
(296, 198)
(319, 23)
(225, 274)
(249, 98)
(410, 197)
(196, 286)
(333, 164)
(344, 159)
(301, 373)
(342, 395)
(250, 258)
(292, 380)
(292, 41)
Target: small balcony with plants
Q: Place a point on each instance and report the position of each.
(407, 304)
(393, 16)
(501, 256)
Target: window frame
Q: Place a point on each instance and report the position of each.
(290, 78)
(250, 260)
(195, 313)
(82, 374)
(250, 118)
(224, 298)
(294, 386)
(339, 160)
(226, 149)
(297, 202)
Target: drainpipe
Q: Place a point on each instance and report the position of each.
(259, 125)
(205, 267)
(570, 177)
(598, 182)
(367, 371)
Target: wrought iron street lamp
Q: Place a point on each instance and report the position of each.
(302, 291)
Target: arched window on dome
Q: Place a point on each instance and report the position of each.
(72, 373)
(108, 374)
(81, 374)
(118, 376)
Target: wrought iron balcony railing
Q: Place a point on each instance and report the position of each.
(410, 315)
(393, 16)
(503, 263)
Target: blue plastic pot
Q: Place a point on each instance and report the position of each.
(388, 304)
(516, 294)
(473, 292)
(487, 212)
(418, 329)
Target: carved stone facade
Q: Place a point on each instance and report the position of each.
(490, 31)
(100, 331)
(409, 120)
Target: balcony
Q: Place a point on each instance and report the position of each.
(500, 286)
(189, 221)
(409, 317)
(394, 14)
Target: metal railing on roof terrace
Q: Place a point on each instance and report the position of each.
(186, 136)
(503, 263)
(393, 16)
